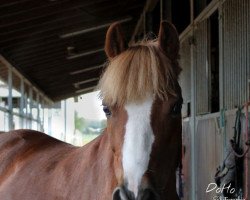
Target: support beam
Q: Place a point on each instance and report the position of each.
(86, 53)
(94, 28)
(77, 84)
(193, 111)
(85, 90)
(86, 69)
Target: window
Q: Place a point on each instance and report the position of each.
(199, 6)
(214, 62)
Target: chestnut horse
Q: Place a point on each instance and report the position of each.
(136, 156)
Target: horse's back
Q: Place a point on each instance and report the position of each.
(29, 158)
(27, 142)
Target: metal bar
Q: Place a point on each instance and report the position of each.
(221, 75)
(31, 106)
(22, 102)
(42, 106)
(49, 120)
(86, 69)
(193, 109)
(65, 120)
(94, 28)
(86, 53)
(10, 106)
(193, 125)
(38, 111)
(221, 55)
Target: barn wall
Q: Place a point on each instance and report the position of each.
(236, 51)
(211, 139)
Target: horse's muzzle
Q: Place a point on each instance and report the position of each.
(122, 193)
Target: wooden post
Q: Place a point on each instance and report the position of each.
(193, 108)
(166, 10)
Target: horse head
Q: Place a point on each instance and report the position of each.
(142, 100)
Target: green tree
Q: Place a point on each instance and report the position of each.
(80, 123)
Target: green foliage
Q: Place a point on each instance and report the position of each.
(80, 122)
(86, 126)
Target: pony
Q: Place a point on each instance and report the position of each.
(136, 156)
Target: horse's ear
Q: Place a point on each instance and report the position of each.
(169, 40)
(115, 42)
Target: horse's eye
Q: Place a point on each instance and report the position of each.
(107, 111)
(176, 109)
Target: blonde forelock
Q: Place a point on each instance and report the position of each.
(139, 71)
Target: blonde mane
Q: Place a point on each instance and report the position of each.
(139, 71)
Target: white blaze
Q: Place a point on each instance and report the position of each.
(138, 142)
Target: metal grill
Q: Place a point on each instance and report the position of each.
(207, 155)
(236, 50)
(201, 67)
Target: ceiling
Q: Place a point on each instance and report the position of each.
(58, 44)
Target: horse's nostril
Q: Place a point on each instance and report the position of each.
(116, 194)
(121, 193)
(148, 194)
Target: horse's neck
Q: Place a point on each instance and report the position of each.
(97, 165)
